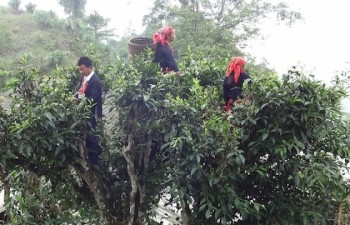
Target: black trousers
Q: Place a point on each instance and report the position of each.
(92, 143)
(230, 90)
(94, 149)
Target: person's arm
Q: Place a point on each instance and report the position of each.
(245, 79)
(158, 54)
(170, 58)
(96, 94)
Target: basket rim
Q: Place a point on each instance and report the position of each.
(148, 38)
(141, 44)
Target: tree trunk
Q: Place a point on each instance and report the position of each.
(74, 24)
(185, 213)
(143, 186)
(6, 184)
(93, 180)
(133, 179)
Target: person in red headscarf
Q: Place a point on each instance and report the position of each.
(163, 51)
(234, 79)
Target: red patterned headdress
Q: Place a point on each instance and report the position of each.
(235, 66)
(160, 35)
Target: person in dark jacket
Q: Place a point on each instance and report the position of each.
(163, 51)
(91, 88)
(233, 81)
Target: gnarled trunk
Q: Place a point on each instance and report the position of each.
(6, 185)
(127, 153)
(95, 184)
(137, 199)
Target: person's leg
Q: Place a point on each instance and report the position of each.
(227, 92)
(94, 149)
(93, 157)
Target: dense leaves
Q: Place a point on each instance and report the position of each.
(269, 161)
(277, 158)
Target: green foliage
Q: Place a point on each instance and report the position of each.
(35, 40)
(30, 7)
(42, 116)
(293, 135)
(5, 39)
(14, 5)
(98, 25)
(120, 47)
(266, 162)
(73, 7)
(4, 76)
(4, 10)
(45, 19)
(75, 10)
(36, 200)
(217, 27)
(56, 115)
(208, 70)
(48, 39)
(56, 58)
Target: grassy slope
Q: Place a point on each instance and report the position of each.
(20, 34)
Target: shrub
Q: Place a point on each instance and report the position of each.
(4, 75)
(4, 10)
(30, 7)
(14, 5)
(55, 58)
(45, 19)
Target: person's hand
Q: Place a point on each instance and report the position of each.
(178, 73)
(243, 101)
(72, 98)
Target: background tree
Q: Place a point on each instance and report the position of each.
(75, 10)
(30, 7)
(48, 39)
(45, 19)
(14, 5)
(98, 25)
(218, 27)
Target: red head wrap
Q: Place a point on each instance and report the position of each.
(161, 34)
(235, 66)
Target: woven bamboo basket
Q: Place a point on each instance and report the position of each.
(139, 44)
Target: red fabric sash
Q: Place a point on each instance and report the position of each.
(229, 103)
(167, 70)
(83, 88)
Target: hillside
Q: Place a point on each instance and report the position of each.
(22, 34)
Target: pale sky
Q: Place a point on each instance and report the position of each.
(320, 43)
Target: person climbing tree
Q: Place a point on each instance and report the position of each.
(163, 51)
(233, 81)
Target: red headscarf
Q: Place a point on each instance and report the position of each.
(235, 66)
(161, 34)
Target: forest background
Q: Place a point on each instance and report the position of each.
(319, 30)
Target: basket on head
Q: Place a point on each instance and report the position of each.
(139, 44)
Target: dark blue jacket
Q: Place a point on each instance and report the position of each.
(164, 56)
(231, 90)
(93, 93)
